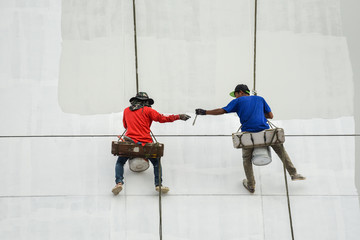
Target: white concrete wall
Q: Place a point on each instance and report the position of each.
(350, 16)
(68, 71)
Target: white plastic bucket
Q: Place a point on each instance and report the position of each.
(138, 164)
(261, 156)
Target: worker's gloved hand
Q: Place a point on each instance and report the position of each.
(184, 117)
(200, 111)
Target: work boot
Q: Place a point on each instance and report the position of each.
(297, 176)
(250, 189)
(117, 188)
(163, 189)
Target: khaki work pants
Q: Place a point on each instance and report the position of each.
(248, 166)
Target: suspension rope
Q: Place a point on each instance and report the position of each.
(255, 93)
(137, 90)
(160, 185)
(255, 30)
(160, 207)
(135, 44)
(288, 202)
(153, 136)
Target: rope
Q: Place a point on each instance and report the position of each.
(160, 207)
(255, 30)
(255, 93)
(137, 90)
(135, 44)
(286, 183)
(288, 202)
(153, 136)
(122, 135)
(271, 124)
(160, 185)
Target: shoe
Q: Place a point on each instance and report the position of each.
(250, 189)
(117, 189)
(163, 189)
(297, 177)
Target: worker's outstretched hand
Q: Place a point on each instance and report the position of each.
(200, 111)
(184, 117)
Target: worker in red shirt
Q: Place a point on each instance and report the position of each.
(137, 120)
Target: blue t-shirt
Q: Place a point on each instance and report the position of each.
(251, 111)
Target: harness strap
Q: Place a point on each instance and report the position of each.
(153, 136)
(252, 140)
(122, 135)
(273, 136)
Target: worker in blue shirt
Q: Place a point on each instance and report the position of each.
(253, 112)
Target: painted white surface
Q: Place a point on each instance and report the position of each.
(193, 53)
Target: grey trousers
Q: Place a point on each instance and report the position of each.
(248, 166)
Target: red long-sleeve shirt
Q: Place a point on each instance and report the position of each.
(138, 123)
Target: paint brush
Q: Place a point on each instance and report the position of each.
(195, 120)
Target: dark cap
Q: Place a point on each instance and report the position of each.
(240, 87)
(143, 96)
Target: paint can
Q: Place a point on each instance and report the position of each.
(138, 164)
(261, 156)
